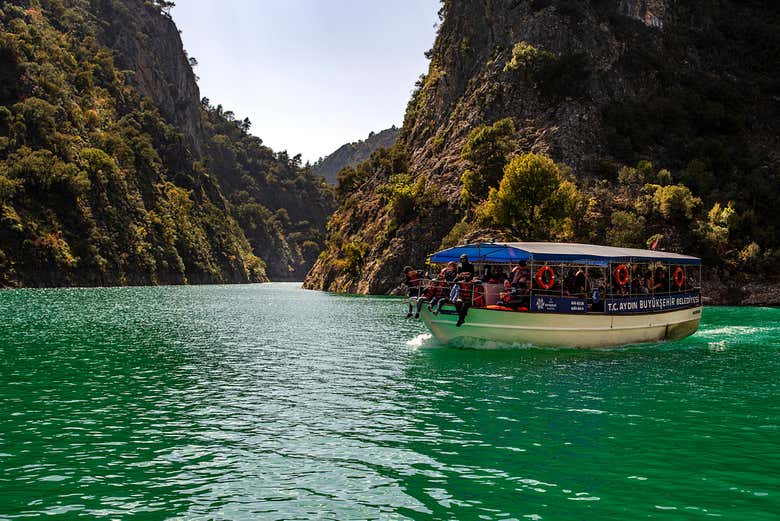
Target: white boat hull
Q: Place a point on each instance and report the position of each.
(560, 330)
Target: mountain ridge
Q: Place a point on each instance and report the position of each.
(351, 154)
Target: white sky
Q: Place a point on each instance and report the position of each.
(310, 75)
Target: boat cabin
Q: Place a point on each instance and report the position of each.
(533, 277)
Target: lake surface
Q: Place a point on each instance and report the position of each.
(272, 402)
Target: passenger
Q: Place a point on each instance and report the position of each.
(639, 283)
(412, 278)
(511, 297)
(440, 290)
(495, 275)
(446, 278)
(568, 283)
(465, 269)
(647, 281)
(452, 297)
(519, 273)
(413, 283)
(450, 272)
(580, 282)
(478, 295)
(636, 284)
(617, 289)
(659, 280)
(461, 296)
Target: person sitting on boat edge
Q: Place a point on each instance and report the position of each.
(461, 296)
(442, 285)
(451, 297)
(430, 294)
(413, 283)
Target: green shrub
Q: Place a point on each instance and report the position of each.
(351, 259)
(626, 229)
(750, 255)
(552, 75)
(664, 177)
(460, 230)
(486, 150)
(675, 203)
(401, 196)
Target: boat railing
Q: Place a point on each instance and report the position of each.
(600, 289)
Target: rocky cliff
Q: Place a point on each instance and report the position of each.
(147, 44)
(353, 153)
(114, 171)
(598, 86)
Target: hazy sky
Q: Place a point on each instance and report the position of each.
(311, 75)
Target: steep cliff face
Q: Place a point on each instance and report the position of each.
(113, 171)
(595, 86)
(351, 154)
(148, 45)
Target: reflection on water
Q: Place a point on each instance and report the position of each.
(270, 402)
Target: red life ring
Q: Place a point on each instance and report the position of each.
(622, 274)
(679, 277)
(540, 277)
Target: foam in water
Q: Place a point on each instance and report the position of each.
(423, 340)
(479, 343)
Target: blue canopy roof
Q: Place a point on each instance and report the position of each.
(511, 252)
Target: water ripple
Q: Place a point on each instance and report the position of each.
(270, 402)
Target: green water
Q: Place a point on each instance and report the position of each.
(271, 402)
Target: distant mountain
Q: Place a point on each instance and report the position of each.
(353, 153)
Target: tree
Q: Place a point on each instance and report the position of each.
(486, 149)
(165, 6)
(532, 198)
(626, 229)
(675, 203)
(347, 180)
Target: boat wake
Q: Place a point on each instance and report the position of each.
(479, 343)
(423, 340)
(427, 340)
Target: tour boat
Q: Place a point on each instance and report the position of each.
(565, 295)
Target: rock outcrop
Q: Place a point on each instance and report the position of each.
(148, 45)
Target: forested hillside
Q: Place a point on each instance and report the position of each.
(113, 171)
(351, 154)
(624, 122)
